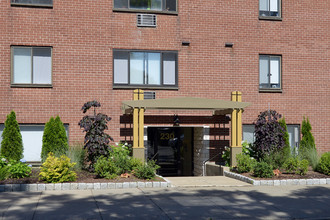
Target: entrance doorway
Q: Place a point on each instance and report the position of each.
(172, 148)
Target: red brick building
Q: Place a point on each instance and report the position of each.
(56, 55)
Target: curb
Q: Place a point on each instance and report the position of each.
(325, 181)
(81, 186)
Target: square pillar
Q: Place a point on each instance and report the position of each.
(236, 129)
(138, 127)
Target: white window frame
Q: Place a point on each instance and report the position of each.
(274, 82)
(273, 10)
(124, 5)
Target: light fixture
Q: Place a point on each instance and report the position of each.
(185, 43)
(228, 44)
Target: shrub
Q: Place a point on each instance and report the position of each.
(226, 156)
(106, 168)
(307, 141)
(57, 170)
(309, 154)
(54, 138)
(324, 164)
(120, 156)
(286, 150)
(77, 155)
(134, 163)
(19, 169)
(302, 167)
(96, 140)
(11, 144)
(263, 170)
(291, 165)
(4, 174)
(269, 134)
(146, 171)
(244, 163)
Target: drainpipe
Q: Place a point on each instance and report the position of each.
(204, 162)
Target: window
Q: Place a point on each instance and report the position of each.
(269, 72)
(145, 68)
(154, 5)
(293, 130)
(32, 140)
(269, 8)
(32, 66)
(43, 3)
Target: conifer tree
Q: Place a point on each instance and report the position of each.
(54, 138)
(287, 148)
(307, 141)
(12, 144)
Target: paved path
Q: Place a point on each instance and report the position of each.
(209, 181)
(248, 202)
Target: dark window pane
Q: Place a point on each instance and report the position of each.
(33, 2)
(121, 4)
(170, 5)
(140, 4)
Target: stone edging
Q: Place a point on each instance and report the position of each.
(81, 186)
(277, 182)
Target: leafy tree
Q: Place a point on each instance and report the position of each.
(54, 138)
(269, 134)
(12, 144)
(96, 140)
(307, 141)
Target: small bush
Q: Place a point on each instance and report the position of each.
(106, 168)
(302, 167)
(309, 154)
(4, 174)
(244, 163)
(18, 170)
(146, 171)
(226, 156)
(77, 154)
(11, 144)
(324, 164)
(120, 156)
(57, 170)
(134, 163)
(291, 165)
(263, 170)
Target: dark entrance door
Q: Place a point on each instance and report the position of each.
(171, 147)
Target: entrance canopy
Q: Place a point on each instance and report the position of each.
(185, 103)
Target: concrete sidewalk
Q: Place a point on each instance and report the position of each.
(205, 181)
(250, 202)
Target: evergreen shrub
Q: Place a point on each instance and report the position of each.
(54, 138)
(307, 141)
(11, 144)
(146, 171)
(324, 164)
(263, 170)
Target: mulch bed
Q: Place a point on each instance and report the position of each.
(83, 176)
(310, 175)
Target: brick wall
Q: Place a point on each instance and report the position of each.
(83, 36)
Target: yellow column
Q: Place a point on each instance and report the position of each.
(236, 129)
(135, 121)
(138, 127)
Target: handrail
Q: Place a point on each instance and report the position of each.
(204, 162)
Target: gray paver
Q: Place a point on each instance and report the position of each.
(50, 186)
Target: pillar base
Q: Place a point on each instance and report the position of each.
(233, 152)
(138, 152)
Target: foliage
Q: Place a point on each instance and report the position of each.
(244, 163)
(286, 151)
(11, 144)
(146, 171)
(120, 156)
(291, 165)
(226, 156)
(18, 169)
(269, 134)
(247, 149)
(77, 155)
(4, 174)
(106, 168)
(96, 140)
(54, 138)
(302, 167)
(324, 164)
(307, 141)
(309, 154)
(57, 170)
(263, 170)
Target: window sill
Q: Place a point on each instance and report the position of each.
(31, 5)
(145, 87)
(270, 90)
(144, 11)
(31, 86)
(271, 18)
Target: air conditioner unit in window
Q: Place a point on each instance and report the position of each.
(146, 20)
(149, 95)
